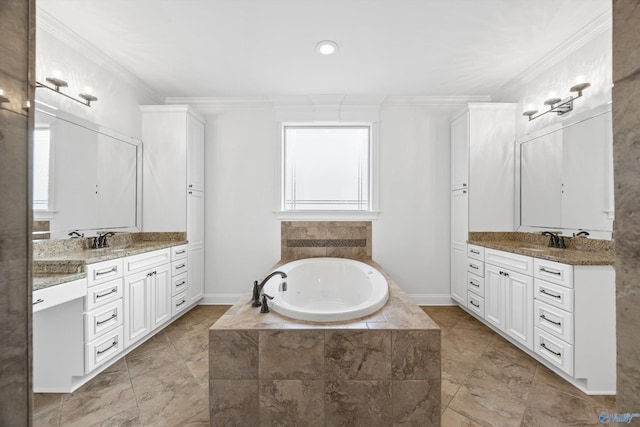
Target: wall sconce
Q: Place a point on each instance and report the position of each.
(557, 105)
(59, 83)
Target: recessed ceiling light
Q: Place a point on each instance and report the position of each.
(327, 47)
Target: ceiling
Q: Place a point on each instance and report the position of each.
(266, 47)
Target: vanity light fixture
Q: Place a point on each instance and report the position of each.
(59, 83)
(327, 47)
(557, 105)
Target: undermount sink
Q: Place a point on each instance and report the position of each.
(534, 249)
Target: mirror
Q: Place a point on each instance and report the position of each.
(566, 175)
(85, 177)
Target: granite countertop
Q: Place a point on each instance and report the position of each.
(400, 312)
(64, 262)
(566, 256)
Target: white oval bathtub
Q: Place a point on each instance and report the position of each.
(327, 290)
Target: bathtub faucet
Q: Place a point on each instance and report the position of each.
(257, 288)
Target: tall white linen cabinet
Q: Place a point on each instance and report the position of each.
(173, 181)
(482, 180)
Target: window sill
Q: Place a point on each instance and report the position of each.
(44, 214)
(326, 215)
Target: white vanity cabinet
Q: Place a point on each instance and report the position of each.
(147, 293)
(173, 184)
(482, 184)
(563, 315)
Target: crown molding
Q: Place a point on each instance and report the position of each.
(433, 101)
(46, 22)
(213, 101)
(590, 31)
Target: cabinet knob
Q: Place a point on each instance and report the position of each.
(190, 185)
(464, 185)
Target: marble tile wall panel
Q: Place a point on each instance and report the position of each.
(416, 403)
(358, 355)
(292, 403)
(233, 402)
(233, 354)
(17, 29)
(415, 355)
(343, 239)
(626, 151)
(358, 403)
(302, 352)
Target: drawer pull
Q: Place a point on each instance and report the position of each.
(180, 252)
(504, 273)
(542, 316)
(100, 322)
(542, 291)
(473, 251)
(111, 270)
(184, 282)
(475, 267)
(549, 350)
(38, 301)
(474, 304)
(181, 266)
(544, 270)
(112, 291)
(115, 343)
(181, 302)
(471, 282)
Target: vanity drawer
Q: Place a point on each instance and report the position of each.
(101, 272)
(553, 320)
(103, 349)
(554, 272)
(102, 320)
(104, 293)
(476, 267)
(514, 262)
(475, 304)
(475, 252)
(179, 267)
(145, 261)
(179, 284)
(554, 350)
(555, 295)
(179, 304)
(178, 252)
(58, 294)
(475, 284)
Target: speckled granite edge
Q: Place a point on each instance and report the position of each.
(46, 281)
(579, 251)
(400, 312)
(46, 248)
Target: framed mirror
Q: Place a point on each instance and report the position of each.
(566, 176)
(86, 178)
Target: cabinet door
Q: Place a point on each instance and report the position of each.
(161, 295)
(519, 308)
(195, 275)
(459, 274)
(195, 154)
(460, 152)
(137, 313)
(459, 217)
(494, 296)
(195, 217)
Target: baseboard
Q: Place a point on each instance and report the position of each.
(220, 299)
(432, 299)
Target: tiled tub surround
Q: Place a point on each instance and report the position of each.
(60, 261)
(340, 239)
(379, 370)
(579, 251)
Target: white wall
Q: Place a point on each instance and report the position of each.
(62, 54)
(243, 235)
(591, 59)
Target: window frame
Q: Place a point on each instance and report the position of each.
(49, 212)
(329, 214)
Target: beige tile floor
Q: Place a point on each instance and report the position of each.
(164, 382)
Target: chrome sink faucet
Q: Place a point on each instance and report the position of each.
(257, 289)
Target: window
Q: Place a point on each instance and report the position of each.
(42, 184)
(327, 168)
